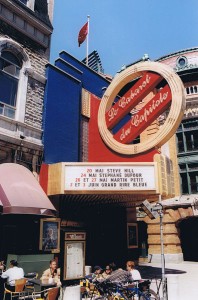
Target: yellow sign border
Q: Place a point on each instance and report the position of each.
(172, 122)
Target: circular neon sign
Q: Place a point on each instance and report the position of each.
(118, 127)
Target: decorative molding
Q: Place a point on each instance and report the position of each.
(188, 159)
(191, 112)
(86, 105)
(186, 67)
(165, 175)
(11, 130)
(184, 201)
(35, 75)
(25, 23)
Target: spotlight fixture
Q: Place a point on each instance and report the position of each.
(149, 210)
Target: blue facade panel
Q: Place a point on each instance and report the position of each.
(61, 117)
(62, 106)
(91, 81)
(66, 67)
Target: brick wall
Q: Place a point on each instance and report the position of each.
(34, 103)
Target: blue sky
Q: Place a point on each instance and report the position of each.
(122, 31)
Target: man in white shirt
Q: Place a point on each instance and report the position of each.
(130, 265)
(13, 273)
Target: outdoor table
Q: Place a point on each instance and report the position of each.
(42, 284)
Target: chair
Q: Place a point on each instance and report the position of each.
(29, 286)
(48, 294)
(19, 289)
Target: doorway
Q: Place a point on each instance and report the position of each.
(189, 238)
(142, 239)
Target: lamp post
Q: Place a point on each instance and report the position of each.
(161, 214)
(154, 212)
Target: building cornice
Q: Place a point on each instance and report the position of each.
(25, 22)
(181, 52)
(11, 130)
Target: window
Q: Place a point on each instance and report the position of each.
(189, 178)
(9, 76)
(187, 136)
(180, 142)
(24, 1)
(191, 124)
(30, 3)
(182, 168)
(182, 62)
(191, 140)
(194, 182)
(192, 90)
(192, 167)
(14, 66)
(184, 183)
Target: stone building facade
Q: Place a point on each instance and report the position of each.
(83, 144)
(180, 215)
(25, 33)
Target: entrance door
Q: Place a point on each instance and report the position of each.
(189, 238)
(142, 239)
(106, 236)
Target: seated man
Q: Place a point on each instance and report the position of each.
(118, 275)
(2, 266)
(107, 272)
(97, 273)
(52, 275)
(130, 266)
(13, 273)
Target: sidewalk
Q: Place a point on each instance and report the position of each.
(187, 287)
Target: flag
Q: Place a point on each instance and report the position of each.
(82, 34)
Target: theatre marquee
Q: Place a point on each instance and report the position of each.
(105, 177)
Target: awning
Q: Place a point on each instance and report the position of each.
(1, 207)
(20, 192)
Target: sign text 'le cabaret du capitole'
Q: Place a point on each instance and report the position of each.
(119, 136)
(131, 176)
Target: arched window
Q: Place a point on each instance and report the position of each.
(14, 63)
(29, 3)
(9, 76)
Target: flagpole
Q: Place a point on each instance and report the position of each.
(87, 41)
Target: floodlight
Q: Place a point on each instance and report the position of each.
(148, 209)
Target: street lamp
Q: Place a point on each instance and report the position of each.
(154, 212)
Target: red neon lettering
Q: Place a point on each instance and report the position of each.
(138, 123)
(131, 98)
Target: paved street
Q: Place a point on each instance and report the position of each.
(184, 278)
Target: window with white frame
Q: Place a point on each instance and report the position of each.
(9, 76)
(29, 3)
(14, 63)
(24, 1)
